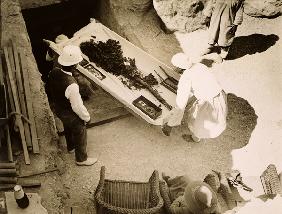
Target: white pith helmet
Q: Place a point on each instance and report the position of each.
(71, 55)
(61, 38)
(181, 60)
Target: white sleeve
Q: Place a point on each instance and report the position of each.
(72, 93)
(182, 97)
(183, 90)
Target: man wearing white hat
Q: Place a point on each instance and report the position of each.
(69, 105)
(198, 86)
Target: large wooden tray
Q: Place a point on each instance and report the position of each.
(112, 84)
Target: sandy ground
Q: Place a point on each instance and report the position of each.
(131, 148)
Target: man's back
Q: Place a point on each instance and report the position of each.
(58, 82)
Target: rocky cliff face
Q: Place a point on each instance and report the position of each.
(26, 4)
(180, 15)
(124, 16)
(176, 15)
(185, 15)
(263, 8)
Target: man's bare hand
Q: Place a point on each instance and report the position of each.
(47, 42)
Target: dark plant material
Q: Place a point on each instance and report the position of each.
(109, 56)
(150, 79)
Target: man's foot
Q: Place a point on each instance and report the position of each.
(224, 52)
(166, 129)
(207, 50)
(87, 162)
(71, 151)
(187, 137)
(195, 139)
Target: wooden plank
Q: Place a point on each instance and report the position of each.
(7, 165)
(30, 112)
(12, 62)
(110, 120)
(1, 82)
(7, 130)
(10, 95)
(1, 69)
(17, 107)
(21, 94)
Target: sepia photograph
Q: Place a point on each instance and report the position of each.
(140, 107)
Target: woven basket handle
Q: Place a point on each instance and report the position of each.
(100, 186)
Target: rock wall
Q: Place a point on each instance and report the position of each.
(140, 24)
(263, 8)
(185, 15)
(180, 15)
(123, 16)
(13, 26)
(26, 4)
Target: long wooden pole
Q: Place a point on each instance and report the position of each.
(17, 107)
(34, 137)
(21, 95)
(8, 138)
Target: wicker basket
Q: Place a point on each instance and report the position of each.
(117, 197)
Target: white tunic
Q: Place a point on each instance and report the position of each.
(207, 116)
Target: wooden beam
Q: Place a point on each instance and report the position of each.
(7, 165)
(17, 107)
(30, 113)
(7, 130)
(110, 120)
(21, 94)
(10, 95)
(1, 69)
(12, 62)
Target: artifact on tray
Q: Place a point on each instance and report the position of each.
(109, 56)
(147, 107)
(95, 72)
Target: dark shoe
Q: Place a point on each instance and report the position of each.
(224, 52)
(191, 138)
(166, 129)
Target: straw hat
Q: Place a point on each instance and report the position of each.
(61, 38)
(71, 55)
(181, 60)
(200, 197)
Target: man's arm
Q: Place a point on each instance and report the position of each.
(182, 97)
(72, 93)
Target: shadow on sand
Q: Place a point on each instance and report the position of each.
(251, 44)
(241, 121)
